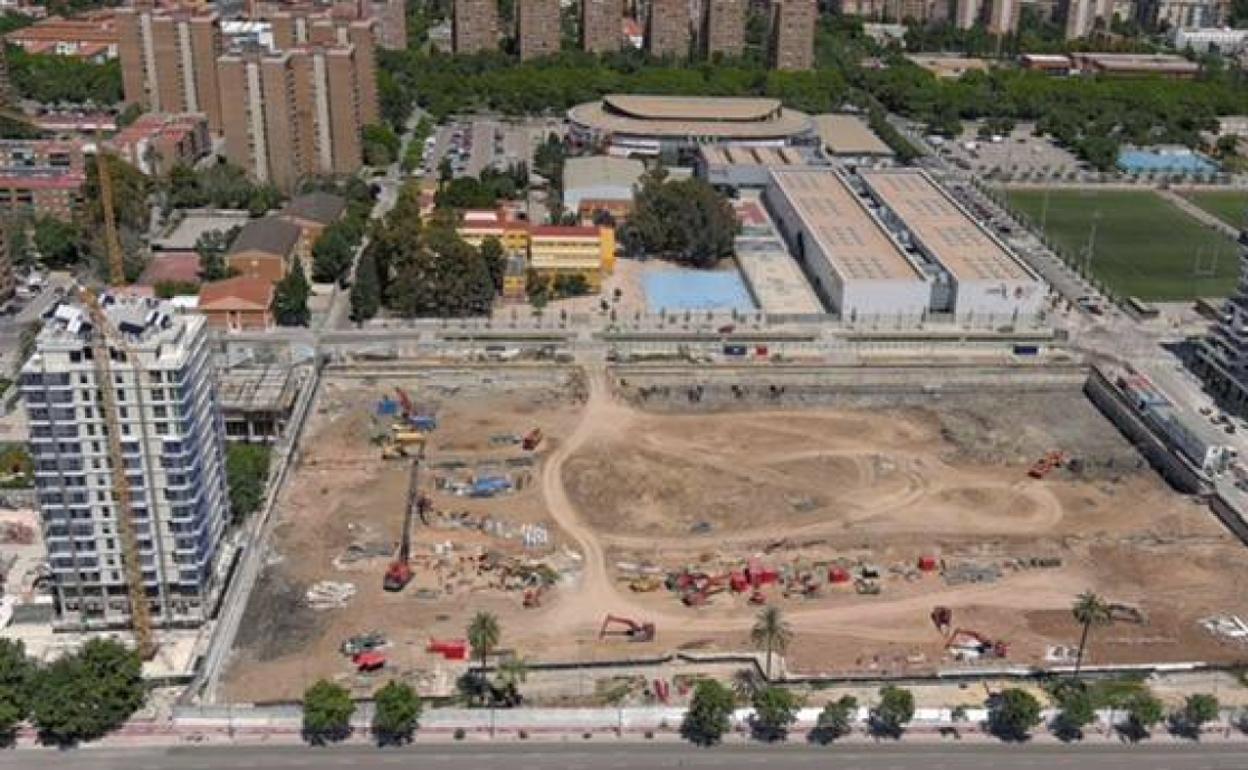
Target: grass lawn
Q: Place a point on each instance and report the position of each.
(1145, 246)
(1230, 207)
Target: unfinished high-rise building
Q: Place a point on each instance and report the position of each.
(537, 28)
(793, 34)
(667, 28)
(173, 446)
(723, 28)
(168, 60)
(474, 26)
(601, 25)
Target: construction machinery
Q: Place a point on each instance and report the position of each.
(399, 573)
(533, 597)
(968, 644)
(942, 618)
(1049, 462)
(532, 440)
(367, 642)
(369, 661)
(643, 584)
(636, 632)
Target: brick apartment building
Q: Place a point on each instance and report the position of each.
(793, 34)
(601, 29)
(474, 26)
(723, 28)
(157, 142)
(667, 29)
(168, 61)
(537, 28)
(41, 177)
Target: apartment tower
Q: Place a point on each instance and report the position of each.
(173, 445)
(1003, 16)
(723, 28)
(667, 29)
(1081, 16)
(292, 29)
(537, 28)
(968, 13)
(168, 60)
(793, 34)
(474, 26)
(602, 25)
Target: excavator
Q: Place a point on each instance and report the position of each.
(636, 632)
(399, 573)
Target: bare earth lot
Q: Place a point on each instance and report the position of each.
(625, 492)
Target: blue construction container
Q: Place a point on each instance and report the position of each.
(387, 407)
(425, 422)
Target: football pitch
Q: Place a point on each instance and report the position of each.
(1230, 207)
(1141, 245)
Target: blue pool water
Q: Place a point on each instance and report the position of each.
(673, 290)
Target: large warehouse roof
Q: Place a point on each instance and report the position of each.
(855, 243)
(944, 228)
(683, 117)
(849, 135)
(691, 107)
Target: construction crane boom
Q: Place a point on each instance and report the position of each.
(140, 611)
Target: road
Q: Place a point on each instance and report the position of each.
(605, 756)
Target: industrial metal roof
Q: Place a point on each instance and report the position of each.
(848, 135)
(854, 242)
(943, 227)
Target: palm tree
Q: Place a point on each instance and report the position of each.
(512, 673)
(483, 635)
(1089, 610)
(771, 633)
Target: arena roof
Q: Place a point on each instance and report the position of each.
(943, 227)
(854, 242)
(691, 107)
(680, 117)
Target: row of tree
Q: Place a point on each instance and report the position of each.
(79, 697)
(52, 79)
(684, 220)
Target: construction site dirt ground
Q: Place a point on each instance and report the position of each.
(625, 492)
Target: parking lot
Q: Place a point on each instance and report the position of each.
(475, 145)
(1019, 153)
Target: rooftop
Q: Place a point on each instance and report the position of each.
(949, 66)
(195, 223)
(267, 388)
(598, 170)
(848, 135)
(1138, 62)
(854, 242)
(321, 207)
(180, 266)
(245, 292)
(770, 272)
(157, 123)
(270, 235)
(948, 232)
(680, 117)
(142, 322)
(753, 156)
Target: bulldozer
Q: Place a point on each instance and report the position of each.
(644, 584)
(636, 632)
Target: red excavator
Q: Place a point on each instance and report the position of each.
(636, 632)
(399, 573)
(942, 618)
(532, 440)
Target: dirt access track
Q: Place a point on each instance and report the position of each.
(628, 491)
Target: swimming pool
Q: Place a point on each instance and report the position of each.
(674, 290)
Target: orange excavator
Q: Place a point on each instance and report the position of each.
(1051, 461)
(399, 573)
(636, 632)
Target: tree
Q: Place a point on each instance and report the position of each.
(746, 683)
(365, 292)
(83, 696)
(512, 672)
(16, 675)
(894, 711)
(1198, 710)
(380, 145)
(835, 721)
(290, 299)
(685, 220)
(397, 714)
(246, 472)
(1144, 711)
(709, 713)
(171, 289)
(775, 710)
(483, 635)
(1089, 610)
(771, 633)
(1076, 712)
(331, 255)
(49, 78)
(59, 243)
(1012, 714)
(26, 344)
(17, 242)
(495, 260)
(211, 247)
(327, 710)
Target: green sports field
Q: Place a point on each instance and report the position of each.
(1230, 207)
(1145, 246)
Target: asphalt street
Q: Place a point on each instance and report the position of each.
(647, 757)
